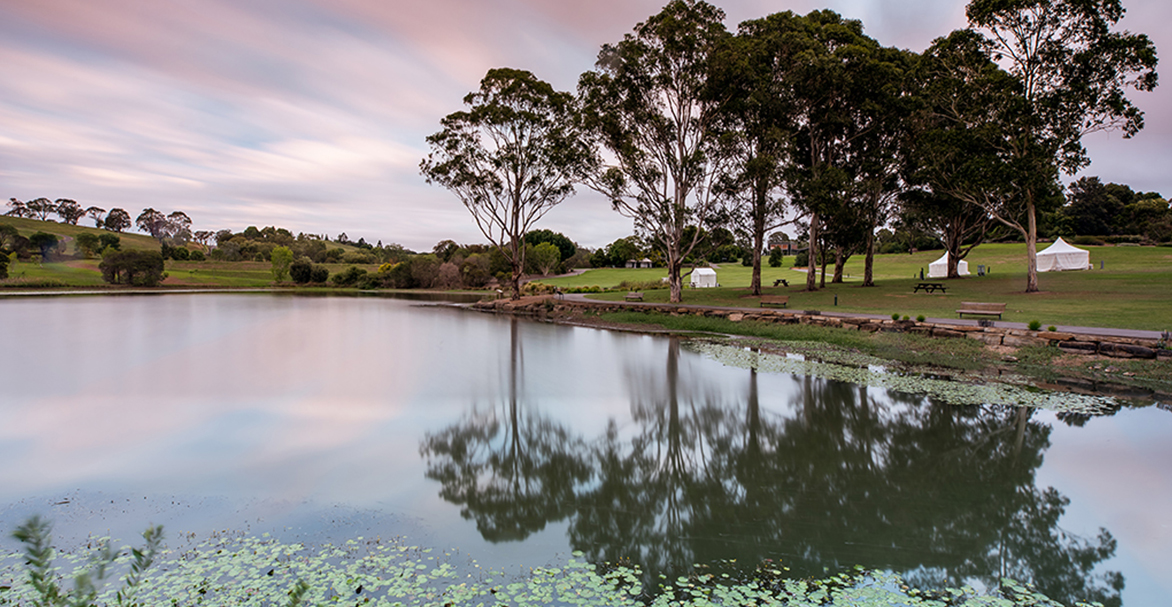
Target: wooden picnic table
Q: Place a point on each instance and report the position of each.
(930, 287)
(780, 281)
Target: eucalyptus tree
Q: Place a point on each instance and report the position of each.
(40, 208)
(825, 67)
(96, 213)
(513, 155)
(18, 208)
(1074, 72)
(646, 104)
(885, 119)
(68, 210)
(959, 225)
(973, 144)
(753, 139)
(117, 220)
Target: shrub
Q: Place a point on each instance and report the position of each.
(196, 255)
(87, 244)
(138, 268)
(110, 241)
(906, 317)
(775, 258)
(348, 277)
(319, 274)
(895, 316)
(1051, 328)
(358, 257)
(1088, 240)
(301, 271)
(1035, 325)
(920, 318)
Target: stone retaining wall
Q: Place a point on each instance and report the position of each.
(1116, 347)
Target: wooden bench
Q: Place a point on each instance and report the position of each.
(634, 296)
(775, 300)
(930, 287)
(780, 281)
(976, 307)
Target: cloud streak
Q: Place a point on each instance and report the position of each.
(312, 114)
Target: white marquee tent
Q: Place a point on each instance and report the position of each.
(1061, 256)
(939, 268)
(703, 277)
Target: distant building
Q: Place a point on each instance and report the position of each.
(639, 263)
(787, 248)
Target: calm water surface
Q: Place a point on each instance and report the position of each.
(519, 442)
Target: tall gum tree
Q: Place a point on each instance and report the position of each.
(512, 156)
(753, 139)
(821, 64)
(1074, 73)
(645, 105)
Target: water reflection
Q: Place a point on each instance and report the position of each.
(945, 495)
(507, 466)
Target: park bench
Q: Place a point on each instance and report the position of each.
(780, 281)
(975, 307)
(634, 296)
(775, 300)
(930, 287)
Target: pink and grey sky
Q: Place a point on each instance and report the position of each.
(312, 114)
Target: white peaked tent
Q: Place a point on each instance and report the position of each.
(703, 277)
(939, 268)
(1061, 256)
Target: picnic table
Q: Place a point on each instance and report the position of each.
(930, 287)
(780, 281)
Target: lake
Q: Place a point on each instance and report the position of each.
(519, 442)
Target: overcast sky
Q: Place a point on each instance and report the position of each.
(312, 114)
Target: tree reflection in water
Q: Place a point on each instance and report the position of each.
(944, 495)
(510, 469)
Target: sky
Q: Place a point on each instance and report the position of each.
(312, 114)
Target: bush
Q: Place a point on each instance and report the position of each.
(920, 318)
(87, 244)
(1051, 328)
(110, 241)
(348, 277)
(196, 255)
(3, 266)
(775, 258)
(319, 274)
(1088, 240)
(1035, 325)
(895, 316)
(301, 271)
(138, 268)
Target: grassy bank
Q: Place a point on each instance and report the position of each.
(1132, 291)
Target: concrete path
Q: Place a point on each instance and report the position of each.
(1129, 333)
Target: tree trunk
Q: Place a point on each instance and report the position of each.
(518, 268)
(675, 282)
(839, 262)
(758, 244)
(869, 262)
(812, 254)
(1031, 249)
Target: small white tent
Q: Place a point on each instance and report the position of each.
(703, 277)
(1061, 256)
(939, 268)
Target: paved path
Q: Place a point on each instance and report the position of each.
(1129, 333)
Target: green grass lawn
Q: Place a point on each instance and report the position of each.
(1133, 291)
